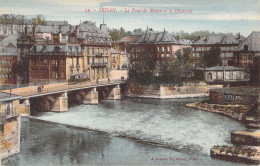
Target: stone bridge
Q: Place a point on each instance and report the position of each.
(57, 97)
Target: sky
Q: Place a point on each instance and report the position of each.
(214, 15)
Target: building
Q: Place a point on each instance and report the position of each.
(54, 53)
(8, 60)
(49, 63)
(248, 50)
(10, 124)
(96, 46)
(227, 44)
(124, 44)
(161, 44)
(124, 60)
(11, 29)
(114, 59)
(235, 95)
(225, 74)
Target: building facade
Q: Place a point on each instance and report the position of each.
(10, 125)
(227, 44)
(225, 74)
(161, 44)
(115, 59)
(248, 50)
(54, 53)
(8, 60)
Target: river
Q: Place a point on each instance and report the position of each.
(133, 132)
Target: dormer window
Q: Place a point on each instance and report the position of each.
(70, 48)
(34, 49)
(57, 49)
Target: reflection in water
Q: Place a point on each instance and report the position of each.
(42, 141)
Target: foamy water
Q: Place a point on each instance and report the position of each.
(165, 122)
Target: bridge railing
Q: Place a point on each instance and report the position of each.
(52, 88)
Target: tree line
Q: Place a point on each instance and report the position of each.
(21, 19)
(151, 70)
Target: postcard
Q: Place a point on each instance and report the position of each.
(120, 82)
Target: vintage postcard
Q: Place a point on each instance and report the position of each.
(120, 82)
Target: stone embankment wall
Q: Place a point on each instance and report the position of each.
(169, 90)
(10, 137)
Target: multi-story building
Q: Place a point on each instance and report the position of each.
(54, 53)
(115, 59)
(8, 60)
(161, 44)
(53, 62)
(227, 44)
(248, 50)
(96, 46)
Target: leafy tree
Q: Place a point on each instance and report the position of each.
(117, 34)
(212, 57)
(39, 20)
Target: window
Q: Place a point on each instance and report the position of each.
(77, 61)
(93, 50)
(88, 61)
(56, 75)
(56, 63)
(88, 51)
(71, 71)
(168, 49)
(245, 47)
(93, 60)
(162, 55)
(93, 73)
(71, 61)
(45, 62)
(168, 55)
(8, 109)
(162, 49)
(77, 70)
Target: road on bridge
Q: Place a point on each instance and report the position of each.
(56, 87)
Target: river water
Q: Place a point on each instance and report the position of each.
(138, 132)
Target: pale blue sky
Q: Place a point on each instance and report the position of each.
(213, 15)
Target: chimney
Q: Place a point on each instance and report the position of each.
(26, 30)
(34, 29)
(77, 31)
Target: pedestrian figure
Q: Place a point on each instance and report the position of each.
(97, 80)
(39, 89)
(108, 80)
(42, 88)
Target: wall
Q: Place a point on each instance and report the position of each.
(10, 137)
(168, 90)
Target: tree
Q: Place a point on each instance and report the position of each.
(212, 57)
(39, 20)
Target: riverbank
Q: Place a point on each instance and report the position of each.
(176, 96)
(246, 154)
(234, 111)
